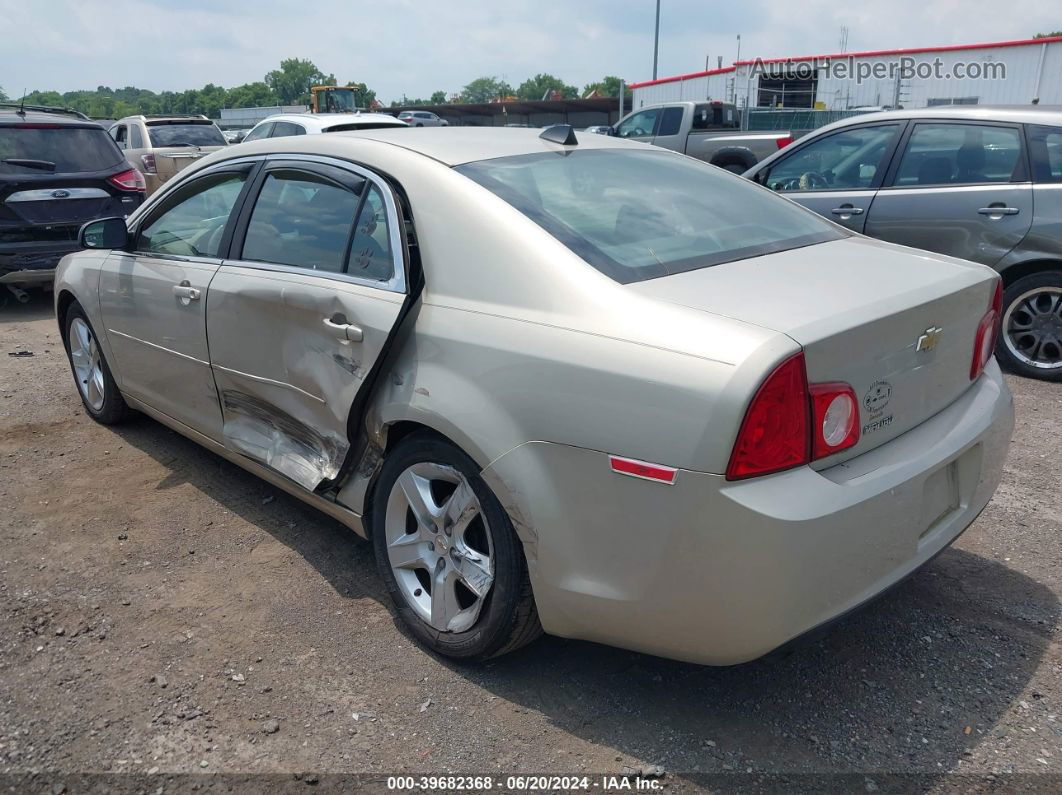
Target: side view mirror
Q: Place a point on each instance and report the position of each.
(105, 233)
(612, 130)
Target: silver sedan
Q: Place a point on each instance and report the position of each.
(562, 382)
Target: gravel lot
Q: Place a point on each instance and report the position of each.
(163, 612)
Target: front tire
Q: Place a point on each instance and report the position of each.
(1030, 339)
(448, 553)
(95, 384)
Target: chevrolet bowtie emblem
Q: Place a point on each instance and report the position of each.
(929, 338)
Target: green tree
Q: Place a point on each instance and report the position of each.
(293, 80)
(3, 96)
(250, 95)
(485, 89)
(438, 98)
(1052, 34)
(540, 86)
(607, 86)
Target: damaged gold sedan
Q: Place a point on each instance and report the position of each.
(579, 385)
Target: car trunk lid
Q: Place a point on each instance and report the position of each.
(897, 324)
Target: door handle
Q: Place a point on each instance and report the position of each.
(343, 330)
(186, 292)
(847, 210)
(999, 210)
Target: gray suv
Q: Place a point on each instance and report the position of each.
(980, 183)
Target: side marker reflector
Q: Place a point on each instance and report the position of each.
(643, 470)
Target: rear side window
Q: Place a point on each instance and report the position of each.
(136, 138)
(670, 121)
(283, 129)
(181, 134)
(261, 131)
(1045, 144)
(303, 220)
(635, 214)
(71, 149)
(959, 154)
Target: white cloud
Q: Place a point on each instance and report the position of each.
(404, 46)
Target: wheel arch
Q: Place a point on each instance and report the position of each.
(1020, 270)
(64, 299)
(730, 155)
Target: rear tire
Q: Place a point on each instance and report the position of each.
(421, 561)
(1030, 339)
(92, 375)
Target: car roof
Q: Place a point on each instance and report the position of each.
(319, 121)
(456, 145)
(9, 117)
(1016, 114)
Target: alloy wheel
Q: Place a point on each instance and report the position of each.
(439, 546)
(1032, 328)
(88, 363)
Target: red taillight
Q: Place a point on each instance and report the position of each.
(789, 423)
(131, 180)
(987, 333)
(835, 419)
(774, 433)
(149, 164)
(784, 141)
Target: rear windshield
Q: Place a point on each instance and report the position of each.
(185, 135)
(371, 125)
(636, 214)
(72, 149)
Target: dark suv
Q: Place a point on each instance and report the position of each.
(58, 169)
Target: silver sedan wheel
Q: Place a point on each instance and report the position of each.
(439, 546)
(88, 364)
(1032, 328)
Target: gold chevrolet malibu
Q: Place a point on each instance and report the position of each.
(562, 382)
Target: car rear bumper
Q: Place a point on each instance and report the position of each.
(33, 263)
(720, 572)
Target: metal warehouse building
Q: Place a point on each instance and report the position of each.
(1002, 73)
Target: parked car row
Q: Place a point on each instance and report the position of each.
(564, 382)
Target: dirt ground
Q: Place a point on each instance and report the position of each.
(164, 613)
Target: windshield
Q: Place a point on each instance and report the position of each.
(185, 134)
(71, 149)
(336, 101)
(636, 214)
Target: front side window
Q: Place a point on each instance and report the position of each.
(1045, 144)
(303, 220)
(184, 134)
(120, 135)
(959, 154)
(845, 160)
(635, 214)
(640, 124)
(194, 225)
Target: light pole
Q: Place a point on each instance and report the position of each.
(656, 39)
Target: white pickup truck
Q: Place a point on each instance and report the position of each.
(710, 131)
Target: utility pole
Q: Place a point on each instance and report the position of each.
(739, 48)
(656, 39)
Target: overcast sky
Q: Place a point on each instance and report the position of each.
(418, 46)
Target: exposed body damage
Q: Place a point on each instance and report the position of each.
(267, 434)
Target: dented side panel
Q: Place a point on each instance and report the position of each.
(285, 370)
